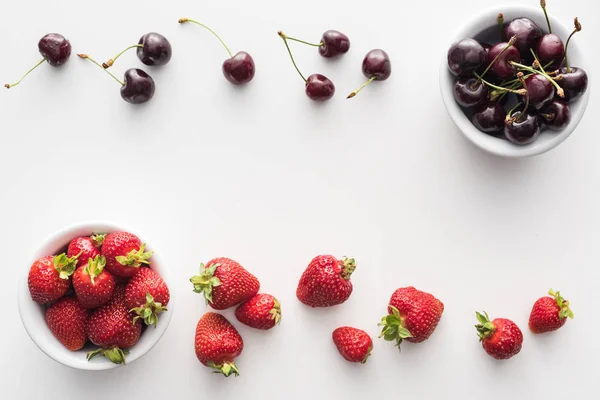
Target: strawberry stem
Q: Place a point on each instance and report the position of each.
(565, 310)
(393, 327)
(227, 368)
(349, 267)
(485, 328)
(114, 354)
(206, 281)
(149, 311)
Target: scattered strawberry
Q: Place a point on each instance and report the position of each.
(326, 281)
(218, 343)
(86, 247)
(49, 278)
(413, 315)
(113, 329)
(67, 320)
(147, 295)
(354, 345)
(225, 283)
(262, 311)
(124, 254)
(94, 286)
(500, 338)
(549, 313)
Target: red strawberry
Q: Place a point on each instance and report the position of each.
(262, 311)
(94, 286)
(413, 315)
(113, 329)
(124, 254)
(147, 295)
(49, 278)
(67, 320)
(500, 338)
(225, 283)
(86, 247)
(354, 345)
(218, 343)
(549, 313)
(326, 281)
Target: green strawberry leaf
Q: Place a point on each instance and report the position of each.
(205, 281)
(65, 265)
(149, 311)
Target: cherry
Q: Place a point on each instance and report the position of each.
(376, 66)
(152, 49)
(334, 43)
(54, 48)
(489, 117)
(528, 34)
(523, 128)
(502, 67)
(539, 89)
(237, 69)
(574, 81)
(470, 92)
(465, 57)
(550, 50)
(556, 115)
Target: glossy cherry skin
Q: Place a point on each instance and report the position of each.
(502, 68)
(556, 115)
(574, 83)
(334, 43)
(540, 90)
(239, 69)
(155, 50)
(319, 87)
(489, 117)
(524, 129)
(528, 35)
(465, 57)
(551, 49)
(377, 63)
(55, 48)
(468, 92)
(138, 88)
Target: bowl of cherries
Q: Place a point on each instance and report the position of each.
(513, 81)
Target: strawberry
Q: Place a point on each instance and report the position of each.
(147, 295)
(326, 281)
(354, 345)
(86, 247)
(549, 313)
(94, 286)
(262, 311)
(500, 338)
(67, 320)
(113, 329)
(413, 315)
(225, 283)
(49, 278)
(124, 254)
(218, 343)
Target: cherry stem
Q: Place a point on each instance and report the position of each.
(284, 37)
(577, 29)
(182, 20)
(510, 43)
(538, 61)
(302, 41)
(98, 64)
(110, 62)
(8, 86)
(520, 77)
(502, 89)
(371, 79)
(508, 116)
(559, 90)
(500, 21)
(543, 4)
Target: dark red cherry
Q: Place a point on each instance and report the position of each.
(489, 117)
(55, 48)
(574, 82)
(334, 43)
(155, 50)
(556, 115)
(138, 88)
(524, 129)
(502, 68)
(319, 87)
(377, 64)
(540, 90)
(528, 35)
(239, 69)
(469, 92)
(550, 49)
(466, 57)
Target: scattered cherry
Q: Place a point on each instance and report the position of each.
(333, 43)
(556, 115)
(502, 67)
(237, 69)
(489, 117)
(523, 127)
(376, 66)
(528, 34)
(465, 57)
(153, 49)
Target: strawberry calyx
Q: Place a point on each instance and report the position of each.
(65, 265)
(136, 258)
(95, 267)
(98, 239)
(275, 311)
(364, 360)
(393, 328)
(565, 310)
(206, 281)
(227, 368)
(485, 328)
(114, 354)
(149, 311)
(349, 267)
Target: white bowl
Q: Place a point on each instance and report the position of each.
(548, 139)
(33, 314)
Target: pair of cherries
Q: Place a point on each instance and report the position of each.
(376, 64)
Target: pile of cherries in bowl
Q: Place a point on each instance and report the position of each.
(514, 88)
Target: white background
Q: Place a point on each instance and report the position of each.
(265, 176)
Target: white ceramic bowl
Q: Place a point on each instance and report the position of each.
(33, 315)
(548, 139)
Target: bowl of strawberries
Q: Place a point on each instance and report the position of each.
(95, 296)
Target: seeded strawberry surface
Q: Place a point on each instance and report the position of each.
(326, 282)
(217, 343)
(67, 320)
(45, 283)
(147, 295)
(85, 246)
(124, 254)
(549, 313)
(262, 311)
(354, 344)
(500, 338)
(94, 286)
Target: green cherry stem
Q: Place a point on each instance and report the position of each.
(500, 21)
(559, 90)
(510, 43)
(537, 61)
(9, 85)
(284, 37)
(577, 29)
(520, 77)
(509, 114)
(500, 88)
(302, 41)
(183, 20)
(543, 4)
(110, 62)
(85, 56)
(351, 95)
